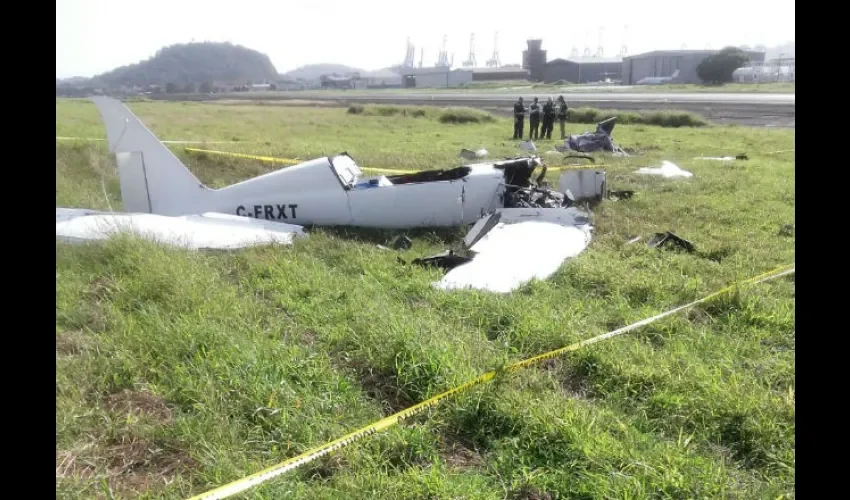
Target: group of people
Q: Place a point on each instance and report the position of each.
(549, 112)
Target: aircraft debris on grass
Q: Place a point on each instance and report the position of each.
(591, 142)
(166, 202)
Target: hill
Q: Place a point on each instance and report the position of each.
(194, 63)
(314, 71)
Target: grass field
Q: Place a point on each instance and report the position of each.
(177, 371)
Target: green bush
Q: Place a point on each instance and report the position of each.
(668, 119)
(464, 115)
(381, 110)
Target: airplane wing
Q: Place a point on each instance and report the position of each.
(515, 245)
(203, 231)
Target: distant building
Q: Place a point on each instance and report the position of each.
(534, 60)
(436, 77)
(771, 71)
(336, 81)
(383, 78)
(664, 63)
(502, 73)
(583, 70)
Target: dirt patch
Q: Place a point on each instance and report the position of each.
(530, 493)
(383, 388)
(326, 466)
(133, 466)
(573, 384)
(70, 344)
(308, 337)
(101, 288)
(699, 316)
(459, 453)
(139, 403)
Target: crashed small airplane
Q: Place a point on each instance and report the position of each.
(327, 191)
(591, 142)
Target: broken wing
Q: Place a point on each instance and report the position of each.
(514, 246)
(196, 232)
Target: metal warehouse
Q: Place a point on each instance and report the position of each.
(583, 70)
(502, 73)
(665, 63)
(435, 77)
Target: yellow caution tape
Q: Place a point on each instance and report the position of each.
(66, 138)
(577, 167)
(241, 155)
(264, 475)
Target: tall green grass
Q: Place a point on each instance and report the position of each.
(179, 371)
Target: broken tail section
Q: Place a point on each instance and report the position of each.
(153, 180)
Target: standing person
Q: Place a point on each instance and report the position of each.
(519, 118)
(548, 119)
(534, 119)
(562, 115)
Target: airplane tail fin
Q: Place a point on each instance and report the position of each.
(153, 180)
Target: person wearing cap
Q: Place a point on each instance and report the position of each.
(533, 119)
(519, 118)
(562, 115)
(548, 119)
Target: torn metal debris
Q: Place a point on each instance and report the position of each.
(620, 195)
(583, 184)
(446, 261)
(661, 239)
(474, 155)
(723, 158)
(527, 146)
(496, 241)
(667, 169)
(402, 243)
(600, 140)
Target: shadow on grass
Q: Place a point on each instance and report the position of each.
(432, 235)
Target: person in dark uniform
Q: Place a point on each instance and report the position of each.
(519, 118)
(548, 119)
(562, 115)
(533, 119)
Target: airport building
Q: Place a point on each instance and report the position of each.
(382, 78)
(501, 73)
(534, 60)
(436, 77)
(583, 70)
(664, 63)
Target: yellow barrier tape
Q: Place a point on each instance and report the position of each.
(66, 138)
(314, 453)
(577, 167)
(242, 155)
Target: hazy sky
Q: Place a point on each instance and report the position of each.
(93, 36)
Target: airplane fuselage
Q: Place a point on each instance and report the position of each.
(331, 199)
